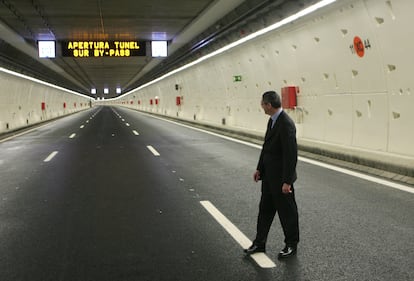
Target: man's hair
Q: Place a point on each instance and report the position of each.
(273, 98)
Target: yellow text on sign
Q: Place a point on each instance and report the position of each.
(102, 48)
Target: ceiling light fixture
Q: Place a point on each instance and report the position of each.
(47, 49)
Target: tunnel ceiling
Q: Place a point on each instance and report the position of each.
(190, 27)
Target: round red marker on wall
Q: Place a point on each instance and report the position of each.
(359, 46)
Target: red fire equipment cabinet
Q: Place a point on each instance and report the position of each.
(289, 97)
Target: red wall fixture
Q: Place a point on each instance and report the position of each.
(64, 105)
(178, 100)
(151, 102)
(289, 97)
(43, 106)
(74, 104)
(157, 101)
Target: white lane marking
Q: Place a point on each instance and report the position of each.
(127, 124)
(83, 126)
(123, 120)
(204, 131)
(26, 132)
(31, 130)
(261, 258)
(153, 150)
(387, 183)
(135, 133)
(72, 136)
(359, 175)
(50, 157)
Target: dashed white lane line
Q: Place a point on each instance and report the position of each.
(153, 150)
(72, 136)
(135, 133)
(50, 157)
(127, 124)
(260, 258)
(83, 126)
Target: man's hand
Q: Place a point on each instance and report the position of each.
(286, 188)
(256, 176)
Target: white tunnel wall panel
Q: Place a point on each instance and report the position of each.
(396, 41)
(21, 102)
(338, 119)
(370, 124)
(353, 97)
(314, 118)
(401, 126)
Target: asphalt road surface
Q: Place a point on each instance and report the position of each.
(114, 194)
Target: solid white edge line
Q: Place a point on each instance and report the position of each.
(153, 150)
(50, 157)
(135, 132)
(26, 132)
(260, 258)
(204, 131)
(72, 136)
(387, 183)
(49, 122)
(359, 175)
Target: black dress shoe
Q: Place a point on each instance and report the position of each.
(288, 251)
(254, 249)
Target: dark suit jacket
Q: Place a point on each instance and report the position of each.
(277, 163)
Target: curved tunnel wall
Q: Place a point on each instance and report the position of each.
(351, 61)
(25, 101)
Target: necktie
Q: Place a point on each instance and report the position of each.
(269, 124)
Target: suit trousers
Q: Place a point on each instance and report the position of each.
(272, 201)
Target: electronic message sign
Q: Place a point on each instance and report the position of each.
(95, 49)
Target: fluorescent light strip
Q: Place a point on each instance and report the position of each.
(272, 27)
(41, 82)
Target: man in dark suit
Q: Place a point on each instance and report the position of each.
(277, 171)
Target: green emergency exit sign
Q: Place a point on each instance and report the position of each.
(237, 78)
